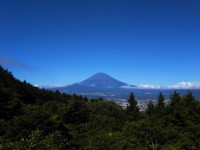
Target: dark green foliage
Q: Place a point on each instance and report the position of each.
(132, 108)
(160, 104)
(78, 112)
(175, 98)
(33, 118)
(150, 108)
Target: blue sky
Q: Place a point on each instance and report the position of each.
(65, 41)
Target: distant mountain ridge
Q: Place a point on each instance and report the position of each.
(99, 82)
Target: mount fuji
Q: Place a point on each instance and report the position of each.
(105, 86)
(98, 83)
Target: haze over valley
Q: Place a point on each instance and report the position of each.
(108, 88)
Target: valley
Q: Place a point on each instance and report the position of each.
(111, 89)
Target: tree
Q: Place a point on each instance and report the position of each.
(160, 104)
(77, 113)
(175, 98)
(150, 108)
(132, 108)
(190, 100)
(132, 104)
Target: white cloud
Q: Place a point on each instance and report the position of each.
(180, 85)
(186, 85)
(128, 87)
(145, 86)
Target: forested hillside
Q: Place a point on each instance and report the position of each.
(33, 118)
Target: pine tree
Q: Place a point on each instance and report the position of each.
(132, 104)
(160, 104)
(150, 108)
(190, 100)
(175, 98)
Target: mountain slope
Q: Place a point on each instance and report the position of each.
(99, 82)
(102, 80)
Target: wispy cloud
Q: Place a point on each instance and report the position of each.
(180, 85)
(186, 85)
(146, 86)
(4, 61)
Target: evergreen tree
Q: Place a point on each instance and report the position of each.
(190, 100)
(160, 103)
(132, 104)
(150, 108)
(132, 108)
(62, 121)
(175, 98)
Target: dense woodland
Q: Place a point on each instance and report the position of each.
(33, 118)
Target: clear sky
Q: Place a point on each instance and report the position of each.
(59, 42)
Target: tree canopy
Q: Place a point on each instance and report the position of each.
(34, 118)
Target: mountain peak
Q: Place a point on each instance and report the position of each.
(102, 80)
(100, 75)
(98, 83)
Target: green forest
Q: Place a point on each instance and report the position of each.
(33, 118)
